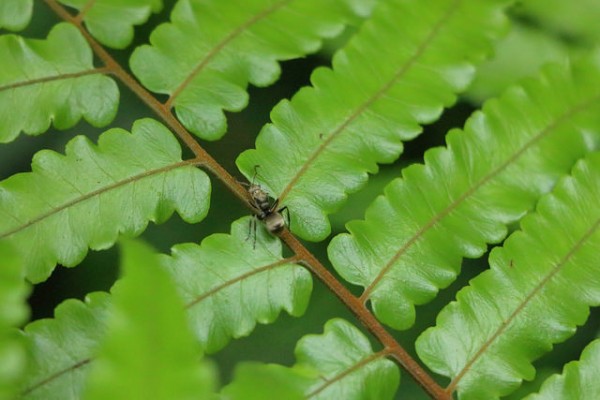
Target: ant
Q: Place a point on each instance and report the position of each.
(267, 212)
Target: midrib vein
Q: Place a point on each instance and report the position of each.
(365, 105)
(52, 78)
(93, 194)
(220, 46)
(198, 299)
(456, 203)
(504, 326)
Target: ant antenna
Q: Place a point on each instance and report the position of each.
(246, 184)
(255, 173)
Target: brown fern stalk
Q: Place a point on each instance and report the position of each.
(391, 347)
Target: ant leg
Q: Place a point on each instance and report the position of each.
(255, 173)
(287, 213)
(250, 223)
(254, 243)
(274, 206)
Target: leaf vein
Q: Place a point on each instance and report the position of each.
(452, 206)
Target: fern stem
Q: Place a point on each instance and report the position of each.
(84, 10)
(202, 157)
(391, 346)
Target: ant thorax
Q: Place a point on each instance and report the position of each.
(268, 210)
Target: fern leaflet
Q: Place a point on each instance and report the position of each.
(93, 193)
(149, 351)
(13, 312)
(321, 145)
(339, 364)
(224, 296)
(111, 22)
(15, 14)
(540, 285)
(412, 240)
(52, 80)
(211, 50)
(579, 380)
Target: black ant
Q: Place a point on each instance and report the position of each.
(266, 211)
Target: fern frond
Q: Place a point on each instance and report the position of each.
(540, 285)
(13, 312)
(209, 52)
(413, 239)
(112, 22)
(579, 380)
(62, 348)
(15, 14)
(575, 20)
(93, 193)
(321, 145)
(229, 284)
(338, 364)
(226, 283)
(149, 351)
(51, 80)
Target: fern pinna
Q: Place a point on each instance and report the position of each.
(522, 175)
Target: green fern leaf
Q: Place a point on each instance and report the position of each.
(229, 284)
(15, 14)
(110, 21)
(321, 145)
(339, 364)
(346, 366)
(52, 80)
(540, 285)
(13, 312)
(149, 352)
(579, 380)
(255, 381)
(61, 348)
(211, 50)
(412, 240)
(86, 198)
(225, 295)
(576, 20)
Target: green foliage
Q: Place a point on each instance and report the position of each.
(539, 287)
(316, 150)
(240, 283)
(112, 21)
(209, 52)
(401, 63)
(15, 14)
(87, 197)
(346, 367)
(412, 240)
(62, 348)
(13, 312)
(579, 380)
(52, 80)
(224, 295)
(149, 351)
(339, 364)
